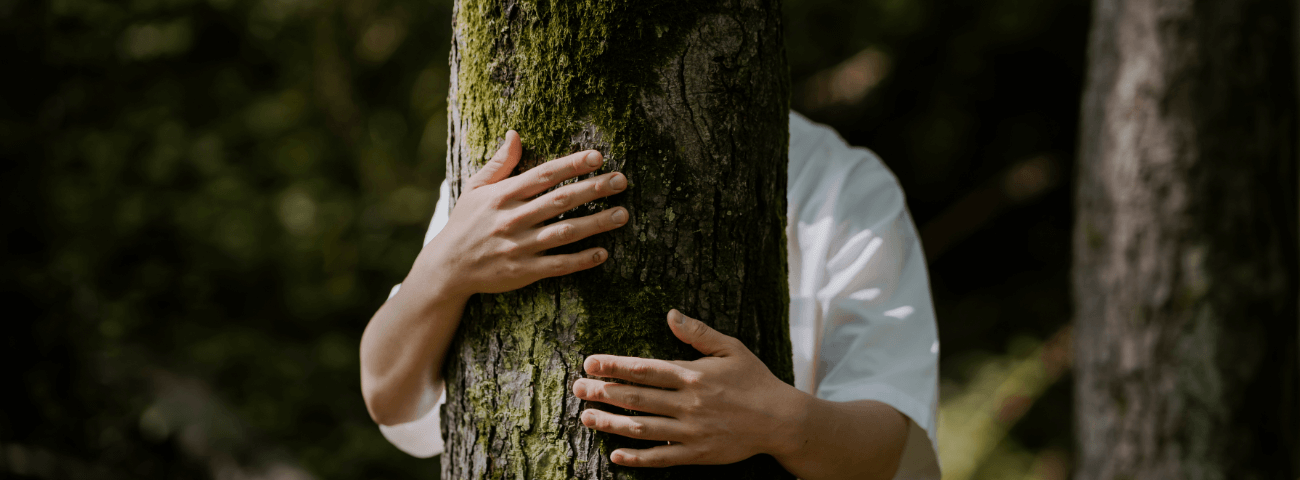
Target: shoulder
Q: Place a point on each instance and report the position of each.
(829, 177)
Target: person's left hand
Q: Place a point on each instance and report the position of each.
(720, 409)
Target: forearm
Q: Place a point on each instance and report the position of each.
(403, 349)
(861, 439)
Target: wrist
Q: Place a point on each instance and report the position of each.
(428, 277)
(793, 418)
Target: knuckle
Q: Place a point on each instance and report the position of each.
(514, 269)
(637, 370)
(691, 406)
(558, 267)
(696, 405)
(632, 399)
(507, 249)
(614, 368)
(637, 429)
(515, 249)
(690, 378)
(561, 233)
(544, 176)
(565, 232)
(510, 270)
(562, 199)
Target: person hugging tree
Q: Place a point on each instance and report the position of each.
(862, 325)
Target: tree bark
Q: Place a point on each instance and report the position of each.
(1185, 273)
(690, 101)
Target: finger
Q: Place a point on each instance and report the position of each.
(703, 337)
(657, 457)
(574, 229)
(549, 174)
(564, 264)
(570, 196)
(640, 427)
(499, 167)
(631, 397)
(645, 371)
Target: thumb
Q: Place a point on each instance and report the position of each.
(499, 167)
(696, 334)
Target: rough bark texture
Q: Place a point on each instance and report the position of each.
(1185, 247)
(690, 101)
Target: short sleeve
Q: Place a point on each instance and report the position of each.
(423, 437)
(440, 213)
(860, 291)
(419, 438)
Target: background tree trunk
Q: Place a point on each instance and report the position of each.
(1185, 273)
(690, 100)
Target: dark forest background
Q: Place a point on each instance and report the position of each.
(205, 200)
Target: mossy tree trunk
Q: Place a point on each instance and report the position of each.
(1185, 273)
(690, 100)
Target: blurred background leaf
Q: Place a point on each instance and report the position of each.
(206, 200)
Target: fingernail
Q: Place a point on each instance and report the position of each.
(679, 318)
(619, 216)
(618, 182)
(593, 159)
(599, 256)
(586, 415)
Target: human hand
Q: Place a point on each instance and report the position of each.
(719, 409)
(494, 238)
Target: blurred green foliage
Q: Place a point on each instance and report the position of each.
(206, 200)
(216, 190)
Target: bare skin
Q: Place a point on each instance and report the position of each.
(728, 406)
(719, 409)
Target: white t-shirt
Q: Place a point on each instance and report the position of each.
(861, 321)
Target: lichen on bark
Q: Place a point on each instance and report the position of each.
(689, 100)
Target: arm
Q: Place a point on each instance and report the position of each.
(858, 439)
(728, 406)
(494, 241)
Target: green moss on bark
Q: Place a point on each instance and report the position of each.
(554, 68)
(689, 100)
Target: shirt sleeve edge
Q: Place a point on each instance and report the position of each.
(420, 438)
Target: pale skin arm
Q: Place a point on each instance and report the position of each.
(728, 406)
(494, 241)
(722, 408)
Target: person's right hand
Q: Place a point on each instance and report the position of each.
(494, 238)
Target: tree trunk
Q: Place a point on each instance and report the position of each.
(1185, 274)
(690, 101)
